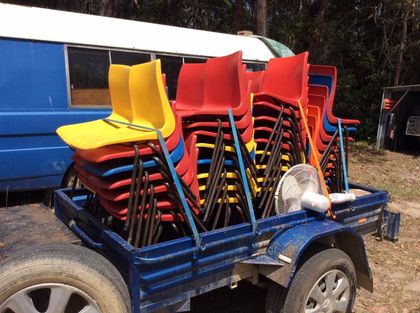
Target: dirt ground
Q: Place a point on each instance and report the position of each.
(395, 266)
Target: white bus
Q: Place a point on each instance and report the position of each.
(54, 71)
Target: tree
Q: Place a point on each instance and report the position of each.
(261, 17)
(408, 6)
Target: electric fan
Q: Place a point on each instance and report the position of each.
(300, 187)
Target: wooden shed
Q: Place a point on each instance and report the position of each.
(399, 121)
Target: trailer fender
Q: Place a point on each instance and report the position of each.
(292, 247)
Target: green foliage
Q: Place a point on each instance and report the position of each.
(360, 38)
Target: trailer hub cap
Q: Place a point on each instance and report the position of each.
(326, 306)
(330, 294)
(50, 298)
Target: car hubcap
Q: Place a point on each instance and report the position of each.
(50, 298)
(330, 294)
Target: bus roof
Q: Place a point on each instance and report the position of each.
(84, 29)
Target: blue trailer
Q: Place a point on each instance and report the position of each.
(287, 250)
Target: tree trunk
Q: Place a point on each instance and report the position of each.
(261, 17)
(316, 40)
(238, 15)
(68, 5)
(106, 8)
(403, 38)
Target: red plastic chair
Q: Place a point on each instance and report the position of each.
(224, 87)
(242, 123)
(119, 208)
(246, 134)
(112, 183)
(319, 101)
(190, 89)
(322, 91)
(254, 81)
(286, 79)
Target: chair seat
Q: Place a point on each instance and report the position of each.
(119, 151)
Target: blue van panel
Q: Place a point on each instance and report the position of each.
(32, 75)
(32, 156)
(33, 104)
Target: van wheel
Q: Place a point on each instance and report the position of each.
(326, 283)
(61, 278)
(69, 178)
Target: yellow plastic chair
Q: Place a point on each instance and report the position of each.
(150, 110)
(118, 77)
(230, 175)
(249, 146)
(284, 157)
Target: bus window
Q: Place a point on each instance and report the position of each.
(129, 58)
(194, 60)
(254, 67)
(171, 67)
(88, 71)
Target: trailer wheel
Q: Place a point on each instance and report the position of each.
(325, 283)
(61, 278)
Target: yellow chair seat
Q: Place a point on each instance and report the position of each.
(145, 94)
(233, 187)
(231, 200)
(228, 175)
(249, 146)
(283, 169)
(254, 187)
(264, 166)
(283, 156)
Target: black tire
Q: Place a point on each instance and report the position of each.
(69, 177)
(70, 267)
(293, 300)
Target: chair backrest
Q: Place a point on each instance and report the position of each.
(189, 94)
(325, 75)
(326, 70)
(118, 76)
(149, 102)
(287, 77)
(225, 83)
(255, 79)
(318, 100)
(319, 90)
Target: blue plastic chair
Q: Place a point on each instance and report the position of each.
(326, 80)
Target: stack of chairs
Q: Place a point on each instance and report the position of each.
(121, 161)
(205, 93)
(279, 131)
(322, 85)
(222, 171)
